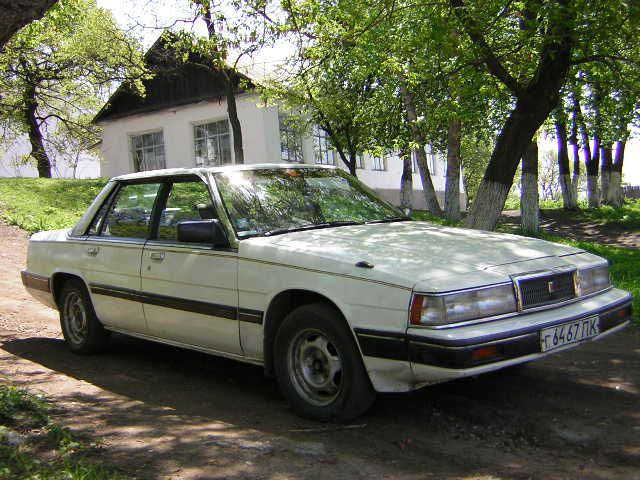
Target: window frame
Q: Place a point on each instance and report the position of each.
(322, 147)
(282, 122)
(194, 125)
(113, 196)
(161, 204)
(132, 150)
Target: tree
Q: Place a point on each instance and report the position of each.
(602, 95)
(55, 73)
(217, 52)
(569, 195)
(529, 204)
(531, 48)
(535, 87)
(17, 14)
(332, 95)
(452, 190)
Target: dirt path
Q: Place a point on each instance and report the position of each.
(165, 413)
(557, 222)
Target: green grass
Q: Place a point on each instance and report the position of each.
(36, 204)
(625, 266)
(425, 216)
(626, 217)
(48, 450)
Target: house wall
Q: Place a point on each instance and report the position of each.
(261, 141)
(260, 135)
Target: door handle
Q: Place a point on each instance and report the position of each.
(93, 251)
(159, 256)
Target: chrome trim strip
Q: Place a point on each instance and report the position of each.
(463, 290)
(229, 312)
(191, 249)
(518, 278)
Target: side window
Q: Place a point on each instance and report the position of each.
(96, 223)
(187, 201)
(130, 214)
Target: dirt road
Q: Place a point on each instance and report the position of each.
(165, 413)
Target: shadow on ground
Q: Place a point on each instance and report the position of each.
(575, 415)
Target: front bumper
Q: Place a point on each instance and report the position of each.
(437, 355)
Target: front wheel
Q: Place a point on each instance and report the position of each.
(81, 329)
(319, 367)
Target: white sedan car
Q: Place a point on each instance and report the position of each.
(302, 270)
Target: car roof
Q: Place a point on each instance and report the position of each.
(172, 172)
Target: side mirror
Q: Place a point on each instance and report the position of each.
(202, 231)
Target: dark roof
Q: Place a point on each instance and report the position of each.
(174, 83)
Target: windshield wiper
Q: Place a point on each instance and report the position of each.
(310, 226)
(389, 220)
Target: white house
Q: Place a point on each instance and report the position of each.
(182, 121)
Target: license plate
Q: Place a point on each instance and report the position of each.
(567, 333)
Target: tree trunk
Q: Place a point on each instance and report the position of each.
(351, 161)
(569, 202)
(606, 164)
(411, 117)
(16, 14)
(452, 188)
(406, 183)
(575, 153)
(529, 113)
(617, 196)
(38, 151)
(593, 195)
(229, 80)
(232, 110)
(575, 149)
(529, 199)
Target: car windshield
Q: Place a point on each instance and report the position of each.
(279, 200)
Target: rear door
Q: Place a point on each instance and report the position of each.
(190, 290)
(113, 252)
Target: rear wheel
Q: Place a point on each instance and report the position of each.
(318, 365)
(81, 329)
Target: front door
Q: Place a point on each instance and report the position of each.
(189, 290)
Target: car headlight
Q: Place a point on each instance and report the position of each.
(433, 310)
(593, 279)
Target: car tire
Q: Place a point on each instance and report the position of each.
(318, 365)
(81, 328)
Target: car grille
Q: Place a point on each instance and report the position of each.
(546, 289)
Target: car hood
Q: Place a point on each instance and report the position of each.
(410, 253)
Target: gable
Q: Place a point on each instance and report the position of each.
(174, 83)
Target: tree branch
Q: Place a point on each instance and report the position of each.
(490, 59)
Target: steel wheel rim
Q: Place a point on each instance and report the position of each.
(315, 367)
(75, 317)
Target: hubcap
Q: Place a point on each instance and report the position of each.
(315, 366)
(75, 317)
